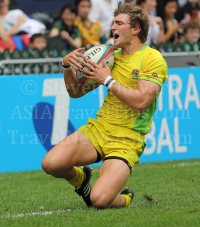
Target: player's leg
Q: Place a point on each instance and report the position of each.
(114, 174)
(74, 150)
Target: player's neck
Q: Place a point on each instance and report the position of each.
(132, 48)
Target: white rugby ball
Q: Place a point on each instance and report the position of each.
(97, 54)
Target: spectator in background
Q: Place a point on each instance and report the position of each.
(90, 32)
(103, 11)
(156, 28)
(6, 43)
(191, 11)
(6, 29)
(65, 28)
(166, 9)
(38, 41)
(11, 18)
(191, 32)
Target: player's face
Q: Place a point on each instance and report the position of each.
(149, 5)
(67, 17)
(122, 31)
(83, 9)
(170, 9)
(192, 35)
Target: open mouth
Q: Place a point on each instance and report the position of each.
(115, 36)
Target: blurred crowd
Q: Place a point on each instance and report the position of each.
(88, 22)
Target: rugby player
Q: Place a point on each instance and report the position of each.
(117, 136)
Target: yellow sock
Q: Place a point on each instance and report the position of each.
(127, 200)
(78, 178)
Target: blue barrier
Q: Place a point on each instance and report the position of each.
(36, 113)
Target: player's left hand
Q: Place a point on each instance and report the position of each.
(97, 73)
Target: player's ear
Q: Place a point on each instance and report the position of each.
(136, 30)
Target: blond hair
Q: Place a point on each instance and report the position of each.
(138, 17)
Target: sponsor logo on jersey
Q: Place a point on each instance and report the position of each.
(154, 74)
(125, 62)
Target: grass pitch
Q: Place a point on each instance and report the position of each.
(166, 194)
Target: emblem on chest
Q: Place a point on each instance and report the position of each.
(135, 74)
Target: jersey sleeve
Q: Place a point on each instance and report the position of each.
(154, 68)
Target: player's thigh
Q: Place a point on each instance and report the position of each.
(75, 149)
(114, 174)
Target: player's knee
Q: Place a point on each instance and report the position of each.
(50, 166)
(100, 201)
(45, 165)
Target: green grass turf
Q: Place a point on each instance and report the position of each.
(166, 194)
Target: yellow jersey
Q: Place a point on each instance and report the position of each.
(89, 35)
(145, 64)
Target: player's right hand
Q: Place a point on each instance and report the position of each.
(75, 59)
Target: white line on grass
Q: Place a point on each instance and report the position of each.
(44, 213)
(187, 164)
(152, 166)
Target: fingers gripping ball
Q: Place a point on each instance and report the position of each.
(98, 54)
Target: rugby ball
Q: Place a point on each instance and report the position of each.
(97, 54)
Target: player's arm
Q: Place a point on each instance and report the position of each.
(139, 99)
(73, 86)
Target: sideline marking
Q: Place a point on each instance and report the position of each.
(166, 166)
(187, 164)
(40, 213)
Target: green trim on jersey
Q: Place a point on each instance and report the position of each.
(143, 145)
(144, 47)
(152, 80)
(117, 52)
(142, 122)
